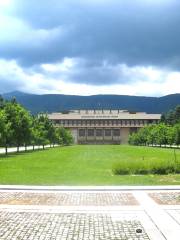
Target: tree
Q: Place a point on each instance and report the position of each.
(177, 114)
(171, 133)
(6, 130)
(66, 136)
(172, 117)
(58, 139)
(42, 130)
(20, 120)
(177, 134)
(2, 102)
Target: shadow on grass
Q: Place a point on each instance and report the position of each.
(14, 154)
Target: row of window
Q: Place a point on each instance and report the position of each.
(103, 122)
(99, 132)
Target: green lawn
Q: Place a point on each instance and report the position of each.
(83, 165)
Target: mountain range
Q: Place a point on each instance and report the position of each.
(58, 102)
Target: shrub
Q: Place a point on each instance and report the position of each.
(120, 171)
(140, 167)
(142, 171)
(162, 170)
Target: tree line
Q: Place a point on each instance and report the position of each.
(19, 128)
(167, 132)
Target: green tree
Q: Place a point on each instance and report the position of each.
(20, 120)
(2, 102)
(171, 133)
(6, 131)
(177, 114)
(66, 136)
(172, 117)
(160, 133)
(42, 130)
(177, 134)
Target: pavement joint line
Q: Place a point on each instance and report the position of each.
(167, 226)
(70, 208)
(91, 188)
(170, 207)
(86, 191)
(64, 210)
(174, 215)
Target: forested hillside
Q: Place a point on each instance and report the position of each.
(58, 102)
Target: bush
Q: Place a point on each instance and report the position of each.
(120, 171)
(142, 171)
(139, 167)
(163, 170)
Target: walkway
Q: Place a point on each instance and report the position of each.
(98, 213)
(22, 149)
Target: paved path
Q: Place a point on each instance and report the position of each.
(78, 214)
(22, 149)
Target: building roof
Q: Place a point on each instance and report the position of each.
(103, 114)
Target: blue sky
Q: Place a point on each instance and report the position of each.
(90, 47)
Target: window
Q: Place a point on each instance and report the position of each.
(116, 132)
(120, 122)
(90, 132)
(107, 132)
(79, 122)
(92, 122)
(82, 133)
(99, 132)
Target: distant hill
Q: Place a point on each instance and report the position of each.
(58, 102)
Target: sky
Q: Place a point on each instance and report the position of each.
(87, 47)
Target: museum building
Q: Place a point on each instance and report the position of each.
(102, 126)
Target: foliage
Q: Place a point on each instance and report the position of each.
(142, 167)
(19, 128)
(65, 136)
(172, 117)
(167, 132)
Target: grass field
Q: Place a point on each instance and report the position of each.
(83, 165)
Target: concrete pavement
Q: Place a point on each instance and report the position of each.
(22, 149)
(92, 214)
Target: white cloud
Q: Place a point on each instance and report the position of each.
(66, 65)
(147, 81)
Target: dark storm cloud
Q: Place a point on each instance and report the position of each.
(119, 32)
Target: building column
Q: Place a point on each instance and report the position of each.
(86, 134)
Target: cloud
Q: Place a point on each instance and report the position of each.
(86, 72)
(96, 44)
(128, 32)
(57, 79)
